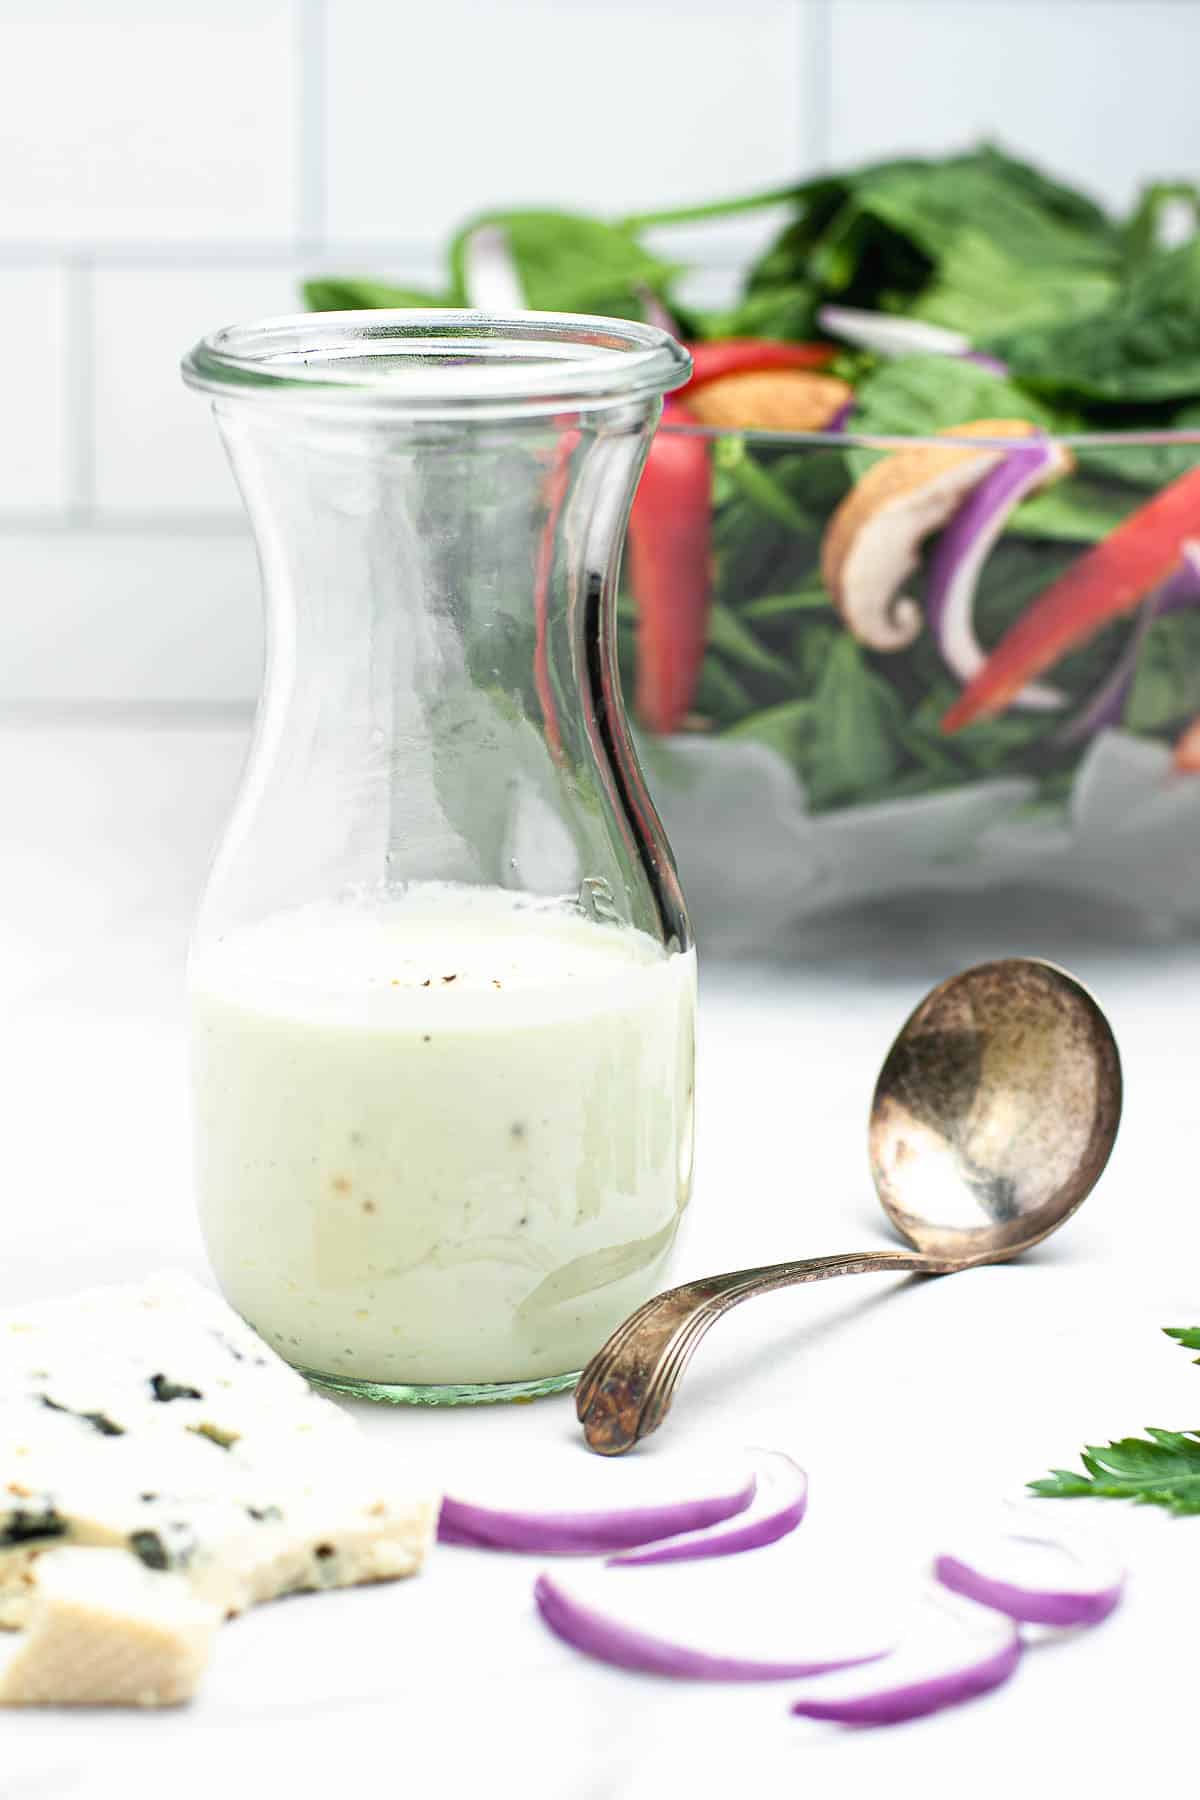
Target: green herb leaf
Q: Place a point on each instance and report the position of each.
(1161, 1469)
(1187, 1335)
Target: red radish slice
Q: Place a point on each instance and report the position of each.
(1036, 1578)
(779, 1503)
(751, 1619)
(698, 1499)
(955, 1652)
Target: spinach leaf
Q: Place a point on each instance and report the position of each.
(788, 311)
(1166, 683)
(989, 746)
(753, 480)
(786, 728)
(786, 606)
(720, 695)
(981, 288)
(1143, 233)
(336, 293)
(1026, 217)
(739, 645)
(921, 395)
(812, 647)
(1142, 348)
(1147, 465)
(1079, 510)
(854, 747)
(568, 262)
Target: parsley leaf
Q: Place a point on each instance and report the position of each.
(1160, 1469)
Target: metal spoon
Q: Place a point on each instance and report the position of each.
(993, 1117)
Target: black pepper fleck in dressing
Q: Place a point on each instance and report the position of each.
(97, 1420)
(164, 1389)
(29, 1524)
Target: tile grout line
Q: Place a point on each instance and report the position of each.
(80, 384)
(816, 129)
(187, 254)
(122, 522)
(311, 126)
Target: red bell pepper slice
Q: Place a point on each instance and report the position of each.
(749, 356)
(1109, 580)
(670, 553)
(670, 534)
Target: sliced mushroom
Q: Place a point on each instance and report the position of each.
(769, 400)
(873, 540)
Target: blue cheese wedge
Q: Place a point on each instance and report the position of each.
(103, 1630)
(151, 1420)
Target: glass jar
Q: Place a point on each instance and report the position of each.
(442, 982)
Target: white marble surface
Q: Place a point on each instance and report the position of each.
(910, 1404)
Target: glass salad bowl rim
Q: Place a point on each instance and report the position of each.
(885, 441)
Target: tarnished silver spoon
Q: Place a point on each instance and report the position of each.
(993, 1117)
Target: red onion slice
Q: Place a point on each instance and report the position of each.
(779, 1504)
(1035, 1577)
(698, 1499)
(753, 1619)
(890, 334)
(964, 547)
(490, 274)
(955, 1652)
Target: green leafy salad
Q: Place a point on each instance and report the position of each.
(894, 575)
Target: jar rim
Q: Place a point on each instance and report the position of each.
(438, 360)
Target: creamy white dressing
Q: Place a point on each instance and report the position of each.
(446, 1140)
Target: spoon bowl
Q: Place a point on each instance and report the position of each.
(995, 1111)
(992, 1120)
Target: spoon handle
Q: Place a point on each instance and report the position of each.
(626, 1389)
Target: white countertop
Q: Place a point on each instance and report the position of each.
(908, 1402)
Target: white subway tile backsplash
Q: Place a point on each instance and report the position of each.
(128, 118)
(607, 105)
(158, 164)
(155, 444)
(117, 616)
(1103, 91)
(35, 461)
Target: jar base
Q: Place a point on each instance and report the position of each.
(458, 1393)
